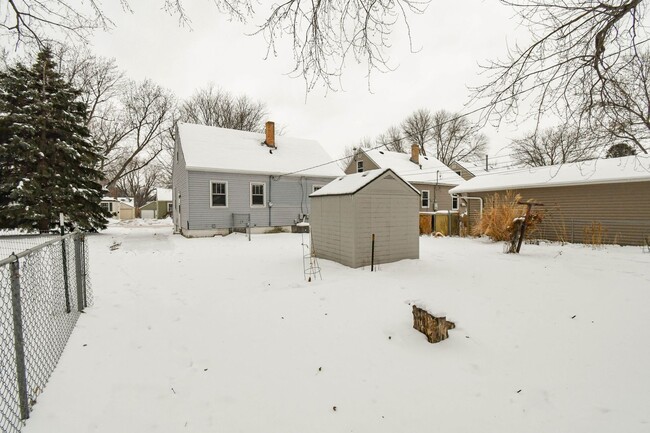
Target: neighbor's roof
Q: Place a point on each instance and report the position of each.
(209, 148)
(475, 169)
(426, 172)
(352, 183)
(129, 201)
(163, 194)
(595, 171)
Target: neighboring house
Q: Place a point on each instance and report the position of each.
(120, 207)
(601, 200)
(428, 175)
(160, 208)
(224, 178)
(349, 211)
(468, 170)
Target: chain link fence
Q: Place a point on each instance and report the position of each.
(43, 290)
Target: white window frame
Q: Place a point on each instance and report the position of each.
(108, 207)
(263, 185)
(360, 166)
(454, 199)
(315, 188)
(428, 194)
(212, 182)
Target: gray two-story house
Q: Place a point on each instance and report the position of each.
(225, 178)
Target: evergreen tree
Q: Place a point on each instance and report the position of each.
(620, 149)
(47, 161)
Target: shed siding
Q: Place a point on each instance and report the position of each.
(622, 209)
(333, 228)
(289, 196)
(393, 220)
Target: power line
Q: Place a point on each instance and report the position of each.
(453, 118)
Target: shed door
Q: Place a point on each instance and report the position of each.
(148, 214)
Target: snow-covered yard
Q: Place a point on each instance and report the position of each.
(224, 335)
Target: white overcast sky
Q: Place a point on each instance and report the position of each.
(452, 38)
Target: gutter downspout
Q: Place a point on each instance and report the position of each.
(270, 205)
(480, 200)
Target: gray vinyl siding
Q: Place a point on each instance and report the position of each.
(621, 209)
(289, 196)
(343, 225)
(180, 188)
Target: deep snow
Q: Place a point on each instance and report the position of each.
(224, 335)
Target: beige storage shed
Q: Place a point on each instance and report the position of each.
(346, 212)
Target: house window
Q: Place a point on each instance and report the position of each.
(258, 195)
(359, 166)
(106, 206)
(425, 199)
(170, 207)
(454, 201)
(315, 188)
(218, 194)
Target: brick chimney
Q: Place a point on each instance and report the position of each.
(415, 154)
(270, 134)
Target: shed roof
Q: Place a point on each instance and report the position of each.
(595, 171)
(209, 148)
(430, 170)
(352, 183)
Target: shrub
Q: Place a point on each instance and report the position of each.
(594, 234)
(498, 215)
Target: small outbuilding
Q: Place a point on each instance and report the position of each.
(346, 212)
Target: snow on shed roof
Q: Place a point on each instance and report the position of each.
(209, 148)
(426, 172)
(595, 171)
(351, 183)
(163, 194)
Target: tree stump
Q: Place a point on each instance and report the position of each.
(435, 328)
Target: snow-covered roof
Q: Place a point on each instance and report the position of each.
(475, 169)
(129, 201)
(430, 169)
(209, 148)
(351, 183)
(163, 194)
(595, 171)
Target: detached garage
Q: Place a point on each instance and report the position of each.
(346, 213)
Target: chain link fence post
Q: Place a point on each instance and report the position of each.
(19, 342)
(66, 284)
(79, 273)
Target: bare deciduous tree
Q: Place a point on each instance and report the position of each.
(393, 139)
(324, 34)
(215, 107)
(138, 132)
(418, 128)
(551, 146)
(140, 182)
(577, 51)
(456, 138)
(621, 109)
